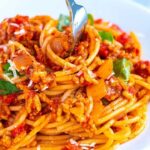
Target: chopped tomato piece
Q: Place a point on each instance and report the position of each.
(132, 90)
(104, 51)
(1, 98)
(61, 44)
(97, 110)
(18, 130)
(123, 38)
(27, 61)
(116, 27)
(72, 147)
(142, 68)
(9, 99)
(106, 69)
(57, 45)
(86, 83)
(12, 28)
(21, 19)
(98, 21)
(97, 91)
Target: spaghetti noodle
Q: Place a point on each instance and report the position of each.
(53, 97)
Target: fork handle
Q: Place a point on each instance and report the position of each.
(70, 3)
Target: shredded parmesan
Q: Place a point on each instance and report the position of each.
(38, 147)
(30, 83)
(20, 32)
(112, 80)
(66, 95)
(4, 47)
(13, 68)
(73, 142)
(14, 24)
(87, 146)
(79, 73)
(7, 78)
(41, 27)
(109, 77)
(93, 75)
(46, 87)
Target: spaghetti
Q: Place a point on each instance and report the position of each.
(53, 97)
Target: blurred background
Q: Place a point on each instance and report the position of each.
(146, 3)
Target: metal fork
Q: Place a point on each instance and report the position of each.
(79, 19)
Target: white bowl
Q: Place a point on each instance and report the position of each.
(127, 14)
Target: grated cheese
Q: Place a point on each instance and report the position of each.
(46, 87)
(4, 47)
(14, 24)
(7, 78)
(13, 68)
(93, 75)
(30, 83)
(88, 146)
(38, 147)
(73, 142)
(66, 95)
(20, 32)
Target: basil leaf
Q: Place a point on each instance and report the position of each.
(62, 22)
(6, 67)
(122, 68)
(106, 36)
(105, 101)
(8, 72)
(91, 19)
(7, 87)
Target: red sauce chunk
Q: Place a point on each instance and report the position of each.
(104, 51)
(22, 64)
(116, 27)
(21, 19)
(98, 21)
(72, 147)
(123, 38)
(142, 68)
(18, 130)
(8, 99)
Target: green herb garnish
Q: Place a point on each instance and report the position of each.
(106, 36)
(62, 22)
(9, 72)
(7, 88)
(122, 68)
(91, 19)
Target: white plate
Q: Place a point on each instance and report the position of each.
(129, 15)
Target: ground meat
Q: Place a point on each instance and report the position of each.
(71, 147)
(104, 51)
(20, 29)
(142, 68)
(62, 44)
(18, 130)
(114, 89)
(4, 111)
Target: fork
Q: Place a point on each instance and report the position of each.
(79, 19)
